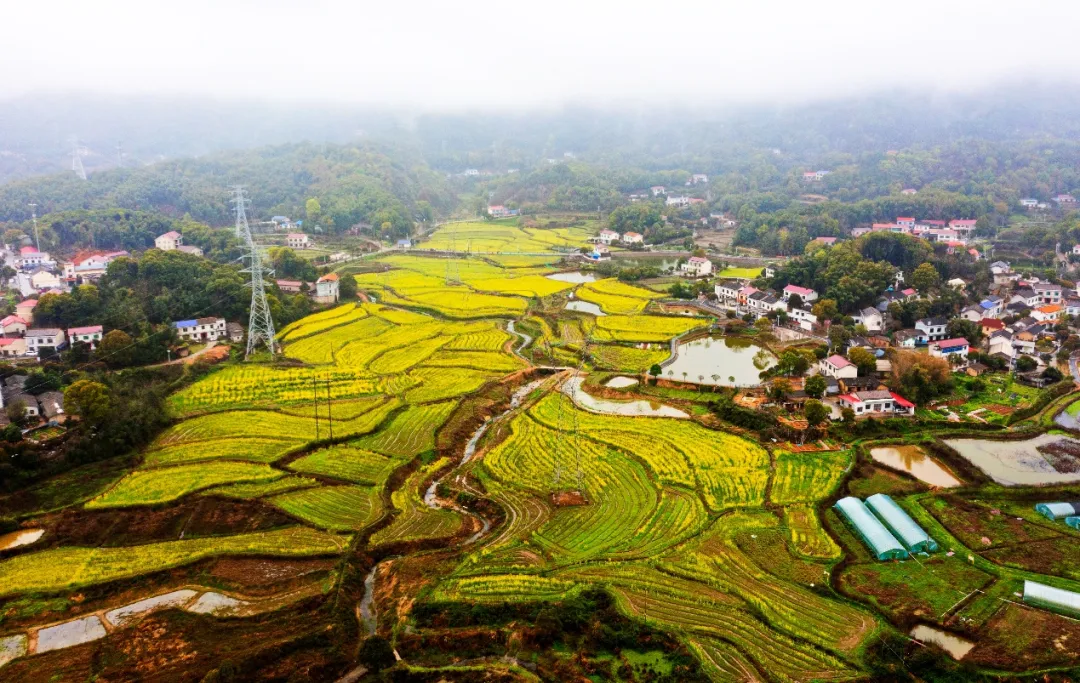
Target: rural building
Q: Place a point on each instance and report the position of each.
(235, 331)
(657, 190)
(12, 347)
(871, 318)
(30, 404)
(608, 236)
(1029, 203)
(52, 406)
(404, 244)
(200, 329)
(12, 325)
(194, 251)
(500, 211)
(297, 240)
(868, 528)
(931, 329)
(696, 266)
(88, 335)
(44, 338)
(1048, 292)
(326, 289)
(30, 257)
(804, 317)
(25, 310)
(633, 238)
(906, 339)
(805, 293)
(877, 402)
(43, 279)
(837, 367)
(1045, 314)
(900, 524)
(169, 241)
(945, 348)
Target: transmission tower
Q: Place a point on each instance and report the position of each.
(33, 214)
(76, 158)
(261, 323)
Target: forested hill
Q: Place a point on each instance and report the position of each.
(366, 183)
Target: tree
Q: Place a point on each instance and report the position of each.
(347, 288)
(115, 348)
(376, 653)
(16, 412)
(815, 386)
(848, 415)
(863, 359)
(313, 209)
(920, 377)
(795, 301)
(825, 309)
(1026, 364)
(655, 370)
(962, 327)
(87, 399)
(926, 277)
(816, 412)
(779, 390)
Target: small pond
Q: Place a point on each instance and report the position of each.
(128, 613)
(572, 388)
(584, 307)
(956, 647)
(1070, 417)
(576, 277)
(731, 360)
(70, 633)
(1030, 462)
(914, 461)
(20, 538)
(620, 382)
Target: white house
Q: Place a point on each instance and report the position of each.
(327, 289)
(500, 211)
(871, 318)
(727, 291)
(1001, 342)
(657, 190)
(88, 335)
(1048, 293)
(950, 347)
(764, 303)
(169, 241)
(607, 236)
(964, 225)
(1029, 203)
(806, 294)
(30, 257)
(803, 316)
(43, 280)
(876, 403)
(677, 201)
(1065, 199)
(906, 339)
(931, 329)
(44, 337)
(698, 178)
(187, 249)
(633, 238)
(12, 325)
(12, 347)
(957, 283)
(838, 367)
(201, 329)
(297, 240)
(696, 266)
(905, 221)
(1047, 314)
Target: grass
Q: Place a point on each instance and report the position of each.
(740, 273)
(338, 508)
(165, 484)
(69, 568)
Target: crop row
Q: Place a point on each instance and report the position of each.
(313, 319)
(332, 507)
(262, 488)
(502, 587)
(416, 520)
(68, 568)
(320, 349)
(164, 484)
(489, 340)
(526, 285)
(807, 535)
(641, 328)
(233, 448)
(359, 352)
(477, 360)
(410, 432)
(313, 324)
(627, 358)
(347, 463)
(807, 477)
(437, 384)
(610, 303)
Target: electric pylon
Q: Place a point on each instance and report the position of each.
(261, 323)
(76, 158)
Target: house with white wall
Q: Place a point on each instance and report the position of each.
(838, 367)
(169, 241)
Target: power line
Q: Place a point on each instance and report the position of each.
(260, 322)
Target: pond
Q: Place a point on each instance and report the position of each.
(576, 277)
(731, 360)
(1070, 417)
(20, 538)
(915, 461)
(1020, 463)
(956, 647)
(70, 633)
(572, 388)
(620, 382)
(584, 307)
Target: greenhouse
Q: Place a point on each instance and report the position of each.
(1058, 510)
(1053, 599)
(872, 532)
(902, 526)
(1074, 522)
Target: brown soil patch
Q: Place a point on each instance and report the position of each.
(262, 572)
(1063, 456)
(1019, 638)
(568, 498)
(213, 355)
(1001, 410)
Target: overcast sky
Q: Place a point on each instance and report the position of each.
(442, 54)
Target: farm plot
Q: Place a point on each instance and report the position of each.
(492, 339)
(164, 484)
(261, 489)
(399, 360)
(807, 535)
(338, 508)
(526, 285)
(807, 477)
(411, 432)
(627, 358)
(314, 324)
(476, 360)
(416, 520)
(69, 568)
(437, 384)
(252, 450)
(358, 353)
(321, 349)
(642, 328)
(347, 464)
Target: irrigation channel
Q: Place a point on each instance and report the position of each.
(366, 610)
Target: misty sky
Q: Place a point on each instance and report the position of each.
(531, 53)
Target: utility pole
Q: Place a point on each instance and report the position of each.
(33, 214)
(329, 414)
(315, 395)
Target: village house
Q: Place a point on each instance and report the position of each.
(657, 190)
(44, 280)
(12, 325)
(1047, 314)
(964, 225)
(876, 402)
(945, 348)
(500, 211)
(1026, 296)
(871, 318)
(44, 338)
(908, 191)
(804, 317)
(200, 329)
(290, 286)
(29, 403)
(235, 332)
(404, 243)
(1029, 203)
(906, 339)
(827, 241)
(1072, 307)
(697, 266)
(25, 310)
(92, 266)
(931, 329)
(806, 294)
(87, 335)
(974, 313)
(764, 303)
(607, 236)
(905, 221)
(1065, 199)
(326, 289)
(698, 178)
(1048, 293)
(169, 241)
(727, 291)
(188, 249)
(1001, 342)
(30, 257)
(297, 240)
(12, 347)
(52, 406)
(633, 238)
(837, 367)
(990, 325)
(677, 201)
(1024, 342)
(957, 283)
